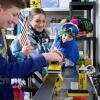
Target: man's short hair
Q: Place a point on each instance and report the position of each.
(9, 3)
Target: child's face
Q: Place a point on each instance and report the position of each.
(66, 38)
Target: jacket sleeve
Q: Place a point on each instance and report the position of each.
(16, 69)
(16, 48)
(70, 51)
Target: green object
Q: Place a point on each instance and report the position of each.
(84, 24)
(63, 32)
(86, 0)
(67, 32)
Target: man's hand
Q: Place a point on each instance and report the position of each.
(53, 57)
(57, 51)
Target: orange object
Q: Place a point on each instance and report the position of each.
(79, 98)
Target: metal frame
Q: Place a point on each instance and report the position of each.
(87, 6)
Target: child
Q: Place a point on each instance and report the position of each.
(65, 42)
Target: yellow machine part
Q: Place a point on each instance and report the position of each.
(58, 84)
(77, 94)
(82, 81)
(72, 93)
(54, 67)
(35, 4)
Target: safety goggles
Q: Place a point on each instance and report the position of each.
(70, 35)
(70, 28)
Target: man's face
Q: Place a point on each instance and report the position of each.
(8, 16)
(38, 22)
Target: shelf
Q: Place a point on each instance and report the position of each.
(52, 37)
(82, 5)
(79, 38)
(90, 7)
(55, 9)
(10, 29)
(10, 37)
(86, 38)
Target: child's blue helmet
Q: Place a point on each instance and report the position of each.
(70, 28)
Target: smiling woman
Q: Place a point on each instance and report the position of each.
(34, 26)
(32, 23)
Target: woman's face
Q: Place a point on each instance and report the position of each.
(38, 22)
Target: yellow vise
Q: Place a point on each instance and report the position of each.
(54, 68)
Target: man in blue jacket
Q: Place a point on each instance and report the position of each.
(9, 66)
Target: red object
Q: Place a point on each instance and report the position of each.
(74, 21)
(17, 93)
(79, 98)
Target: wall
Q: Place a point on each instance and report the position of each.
(98, 30)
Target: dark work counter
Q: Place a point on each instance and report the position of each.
(70, 81)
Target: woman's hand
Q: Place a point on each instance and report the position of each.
(26, 50)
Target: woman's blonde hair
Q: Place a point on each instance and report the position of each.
(36, 11)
